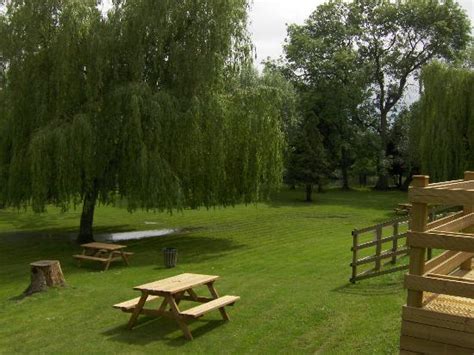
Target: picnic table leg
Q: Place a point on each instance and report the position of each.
(137, 310)
(107, 263)
(215, 295)
(178, 318)
(125, 258)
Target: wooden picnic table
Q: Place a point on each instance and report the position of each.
(403, 208)
(172, 291)
(103, 252)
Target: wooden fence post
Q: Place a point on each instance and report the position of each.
(418, 222)
(355, 242)
(468, 175)
(378, 247)
(395, 242)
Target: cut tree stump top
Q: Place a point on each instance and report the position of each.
(44, 263)
(105, 246)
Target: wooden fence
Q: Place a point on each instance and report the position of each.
(397, 248)
(397, 230)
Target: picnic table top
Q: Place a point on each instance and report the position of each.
(177, 283)
(404, 205)
(106, 246)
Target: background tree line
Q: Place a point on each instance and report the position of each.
(352, 64)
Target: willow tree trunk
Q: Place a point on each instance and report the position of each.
(87, 217)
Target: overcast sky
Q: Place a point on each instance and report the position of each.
(269, 18)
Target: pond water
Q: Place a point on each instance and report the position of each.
(115, 237)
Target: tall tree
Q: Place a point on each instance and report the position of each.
(387, 41)
(143, 104)
(325, 67)
(396, 39)
(443, 122)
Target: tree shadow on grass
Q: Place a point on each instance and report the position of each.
(149, 330)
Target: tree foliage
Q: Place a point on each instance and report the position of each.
(148, 103)
(443, 122)
(369, 50)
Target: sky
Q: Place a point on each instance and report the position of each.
(268, 20)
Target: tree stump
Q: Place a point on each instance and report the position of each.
(45, 274)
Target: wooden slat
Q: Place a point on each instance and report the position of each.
(442, 240)
(89, 257)
(385, 255)
(444, 320)
(457, 224)
(439, 259)
(450, 264)
(400, 220)
(105, 246)
(434, 333)
(210, 306)
(371, 273)
(441, 196)
(431, 347)
(455, 184)
(177, 283)
(464, 288)
(130, 304)
(444, 220)
(383, 240)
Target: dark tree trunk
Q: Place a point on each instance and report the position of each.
(382, 182)
(362, 180)
(345, 170)
(309, 193)
(320, 187)
(87, 218)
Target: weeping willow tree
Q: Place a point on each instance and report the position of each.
(148, 104)
(443, 122)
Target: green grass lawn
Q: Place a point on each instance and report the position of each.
(288, 260)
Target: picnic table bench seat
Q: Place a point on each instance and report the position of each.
(90, 257)
(202, 309)
(129, 306)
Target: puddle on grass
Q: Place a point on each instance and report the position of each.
(123, 236)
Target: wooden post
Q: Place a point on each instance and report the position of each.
(378, 247)
(418, 222)
(468, 175)
(395, 242)
(355, 240)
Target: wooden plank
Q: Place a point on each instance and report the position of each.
(395, 242)
(437, 334)
(444, 220)
(392, 239)
(105, 246)
(444, 320)
(464, 288)
(439, 259)
(204, 308)
(90, 257)
(450, 264)
(418, 222)
(385, 224)
(441, 240)
(355, 240)
(384, 255)
(370, 273)
(441, 196)
(378, 248)
(177, 284)
(130, 304)
(431, 347)
(456, 225)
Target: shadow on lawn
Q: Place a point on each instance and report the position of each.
(149, 330)
(371, 289)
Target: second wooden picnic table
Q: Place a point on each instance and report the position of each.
(173, 290)
(103, 252)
